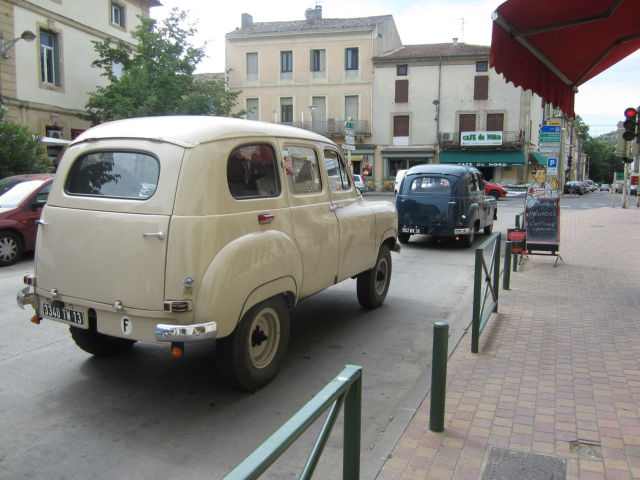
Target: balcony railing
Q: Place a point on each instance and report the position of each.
(334, 127)
(509, 139)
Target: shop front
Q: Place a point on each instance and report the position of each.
(362, 162)
(402, 159)
(496, 166)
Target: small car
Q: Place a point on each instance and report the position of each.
(495, 190)
(359, 183)
(180, 229)
(605, 187)
(21, 200)
(574, 187)
(444, 201)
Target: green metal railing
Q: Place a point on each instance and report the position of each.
(345, 389)
(486, 287)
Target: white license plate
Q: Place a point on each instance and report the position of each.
(62, 313)
(410, 230)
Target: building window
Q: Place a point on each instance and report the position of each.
(467, 122)
(286, 110)
(117, 14)
(351, 59)
(286, 61)
(402, 91)
(401, 70)
(401, 126)
(351, 108)
(318, 62)
(252, 109)
(49, 58)
(252, 66)
(495, 122)
(481, 87)
(482, 66)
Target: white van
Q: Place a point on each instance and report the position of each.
(179, 229)
(399, 177)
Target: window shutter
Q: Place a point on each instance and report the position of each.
(481, 88)
(402, 91)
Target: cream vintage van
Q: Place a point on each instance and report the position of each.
(180, 229)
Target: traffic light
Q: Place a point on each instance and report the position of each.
(630, 125)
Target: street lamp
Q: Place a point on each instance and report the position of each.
(27, 35)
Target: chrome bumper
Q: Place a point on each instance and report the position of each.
(26, 297)
(186, 333)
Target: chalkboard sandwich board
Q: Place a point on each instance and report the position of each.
(542, 223)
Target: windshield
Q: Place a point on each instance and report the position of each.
(14, 195)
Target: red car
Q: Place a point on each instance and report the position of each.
(21, 200)
(495, 190)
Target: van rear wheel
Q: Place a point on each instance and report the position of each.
(251, 356)
(99, 344)
(372, 285)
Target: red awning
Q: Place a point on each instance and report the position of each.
(553, 46)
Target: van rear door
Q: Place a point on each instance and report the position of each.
(104, 232)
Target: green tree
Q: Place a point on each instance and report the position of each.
(20, 151)
(157, 77)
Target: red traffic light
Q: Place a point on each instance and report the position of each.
(630, 112)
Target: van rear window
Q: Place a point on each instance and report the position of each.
(429, 184)
(130, 175)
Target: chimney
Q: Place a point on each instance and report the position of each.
(246, 20)
(455, 40)
(310, 15)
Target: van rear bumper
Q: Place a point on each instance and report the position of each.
(186, 333)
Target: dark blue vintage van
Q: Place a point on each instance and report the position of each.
(444, 201)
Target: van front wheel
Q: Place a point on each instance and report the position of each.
(251, 356)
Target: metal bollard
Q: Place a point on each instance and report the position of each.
(507, 265)
(439, 376)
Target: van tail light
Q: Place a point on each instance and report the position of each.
(266, 218)
(177, 306)
(29, 280)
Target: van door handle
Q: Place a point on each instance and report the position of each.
(333, 208)
(158, 235)
(452, 203)
(41, 222)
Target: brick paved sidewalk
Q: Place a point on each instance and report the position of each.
(558, 373)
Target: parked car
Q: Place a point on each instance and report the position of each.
(495, 190)
(444, 201)
(574, 187)
(179, 229)
(605, 187)
(590, 185)
(21, 200)
(399, 177)
(360, 183)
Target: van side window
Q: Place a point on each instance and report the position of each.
(303, 172)
(336, 170)
(251, 172)
(130, 175)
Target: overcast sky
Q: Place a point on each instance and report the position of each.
(600, 102)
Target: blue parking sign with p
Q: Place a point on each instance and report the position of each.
(552, 163)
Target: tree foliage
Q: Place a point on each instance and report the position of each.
(20, 151)
(157, 77)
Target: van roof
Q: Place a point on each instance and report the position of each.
(439, 168)
(189, 131)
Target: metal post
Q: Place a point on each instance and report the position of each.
(477, 295)
(507, 265)
(439, 375)
(496, 270)
(352, 428)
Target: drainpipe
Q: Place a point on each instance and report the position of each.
(438, 105)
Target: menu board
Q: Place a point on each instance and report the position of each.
(542, 220)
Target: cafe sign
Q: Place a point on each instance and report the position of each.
(481, 138)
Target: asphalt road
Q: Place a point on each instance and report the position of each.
(65, 414)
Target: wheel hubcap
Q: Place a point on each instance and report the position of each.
(381, 276)
(264, 338)
(8, 249)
